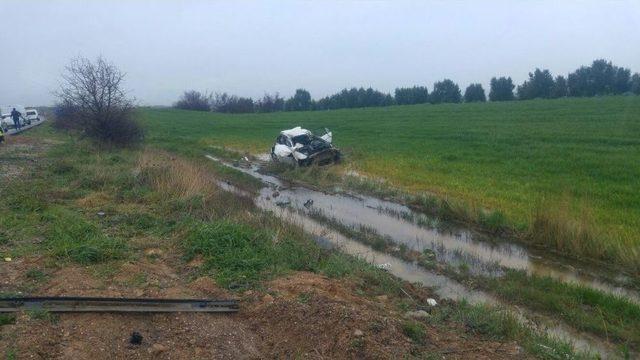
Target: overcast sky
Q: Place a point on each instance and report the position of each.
(252, 47)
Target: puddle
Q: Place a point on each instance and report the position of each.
(452, 244)
(455, 245)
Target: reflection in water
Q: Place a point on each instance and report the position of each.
(450, 245)
(454, 245)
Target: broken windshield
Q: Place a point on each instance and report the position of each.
(302, 139)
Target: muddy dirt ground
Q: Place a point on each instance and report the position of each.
(301, 315)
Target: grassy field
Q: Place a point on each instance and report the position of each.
(567, 170)
(50, 226)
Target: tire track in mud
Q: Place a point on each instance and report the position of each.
(290, 203)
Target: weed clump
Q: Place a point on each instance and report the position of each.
(240, 256)
(72, 238)
(415, 331)
(499, 324)
(7, 319)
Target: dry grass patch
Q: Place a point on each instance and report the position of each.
(174, 176)
(570, 231)
(191, 185)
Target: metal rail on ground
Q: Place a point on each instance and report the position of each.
(99, 304)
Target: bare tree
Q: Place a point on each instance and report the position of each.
(91, 99)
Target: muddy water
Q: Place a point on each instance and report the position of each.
(443, 286)
(454, 245)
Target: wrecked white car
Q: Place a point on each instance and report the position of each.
(300, 146)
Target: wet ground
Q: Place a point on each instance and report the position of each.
(453, 245)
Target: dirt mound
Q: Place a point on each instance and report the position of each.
(309, 316)
(302, 315)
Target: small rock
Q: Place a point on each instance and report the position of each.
(432, 302)
(157, 349)
(267, 299)
(8, 259)
(385, 266)
(100, 213)
(358, 333)
(418, 314)
(138, 293)
(275, 194)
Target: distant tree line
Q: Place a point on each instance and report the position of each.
(599, 78)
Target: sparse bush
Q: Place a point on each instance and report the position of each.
(91, 100)
(194, 100)
(270, 103)
(233, 104)
(415, 331)
(493, 221)
(66, 116)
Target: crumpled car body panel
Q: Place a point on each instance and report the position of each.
(300, 146)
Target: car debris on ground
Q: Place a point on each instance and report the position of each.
(301, 147)
(136, 338)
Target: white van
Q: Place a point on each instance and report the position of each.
(32, 115)
(5, 116)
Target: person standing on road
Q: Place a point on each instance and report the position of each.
(15, 114)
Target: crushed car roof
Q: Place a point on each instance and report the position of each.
(296, 131)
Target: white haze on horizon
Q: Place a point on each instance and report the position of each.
(252, 47)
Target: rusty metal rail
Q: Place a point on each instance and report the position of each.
(99, 304)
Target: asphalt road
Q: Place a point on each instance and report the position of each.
(26, 127)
